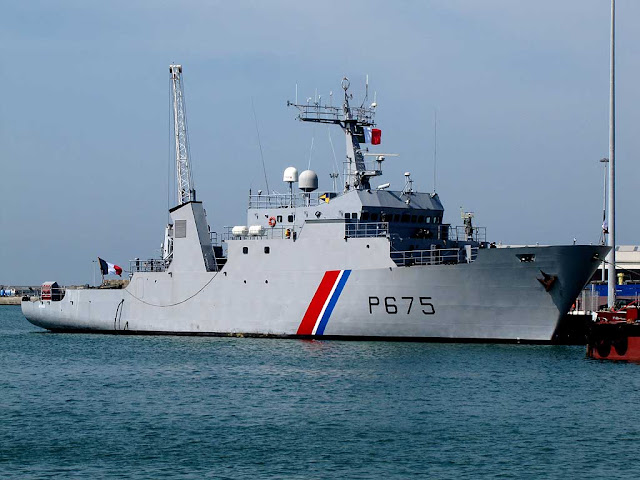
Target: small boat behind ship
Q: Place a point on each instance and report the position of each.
(615, 335)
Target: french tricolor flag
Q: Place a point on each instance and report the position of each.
(106, 268)
(372, 135)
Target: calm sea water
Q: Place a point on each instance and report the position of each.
(94, 406)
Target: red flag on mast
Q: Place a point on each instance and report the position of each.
(376, 135)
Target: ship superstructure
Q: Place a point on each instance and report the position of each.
(364, 262)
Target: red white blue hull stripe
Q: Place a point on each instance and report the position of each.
(319, 311)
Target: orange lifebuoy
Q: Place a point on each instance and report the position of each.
(272, 221)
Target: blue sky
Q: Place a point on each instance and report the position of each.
(521, 91)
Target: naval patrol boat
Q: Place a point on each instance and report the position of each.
(367, 262)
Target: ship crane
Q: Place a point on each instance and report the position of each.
(185, 187)
(186, 190)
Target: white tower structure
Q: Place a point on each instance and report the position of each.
(186, 190)
(611, 257)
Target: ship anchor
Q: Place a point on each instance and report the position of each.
(547, 280)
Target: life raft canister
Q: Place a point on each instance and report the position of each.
(272, 221)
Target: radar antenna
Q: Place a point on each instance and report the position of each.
(467, 218)
(186, 189)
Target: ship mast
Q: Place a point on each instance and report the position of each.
(186, 190)
(353, 121)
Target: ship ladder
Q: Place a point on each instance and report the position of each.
(118, 317)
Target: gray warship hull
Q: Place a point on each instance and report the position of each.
(340, 288)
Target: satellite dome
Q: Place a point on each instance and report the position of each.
(290, 175)
(308, 181)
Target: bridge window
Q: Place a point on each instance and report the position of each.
(364, 216)
(374, 217)
(396, 217)
(413, 219)
(421, 219)
(405, 217)
(427, 219)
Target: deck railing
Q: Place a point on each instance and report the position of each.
(366, 229)
(285, 200)
(462, 234)
(148, 265)
(443, 256)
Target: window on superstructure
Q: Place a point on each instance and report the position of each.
(354, 216)
(267, 250)
(374, 217)
(405, 217)
(427, 219)
(420, 218)
(364, 216)
(347, 216)
(396, 217)
(245, 250)
(413, 219)
(290, 218)
(279, 218)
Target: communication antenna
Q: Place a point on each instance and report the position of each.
(264, 168)
(313, 137)
(334, 177)
(335, 160)
(366, 91)
(435, 148)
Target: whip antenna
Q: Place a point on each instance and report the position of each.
(255, 119)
